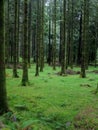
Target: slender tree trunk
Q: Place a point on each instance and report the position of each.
(49, 45)
(60, 51)
(25, 80)
(7, 32)
(54, 36)
(34, 45)
(37, 40)
(49, 58)
(42, 37)
(63, 39)
(18, 28)
(15, 75)
(68, 36)
(96, 37)
(87, 32)
(29, 33)
(80, 42)
(3, 94)
(84, 41)
(71, 35)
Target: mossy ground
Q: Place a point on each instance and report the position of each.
(52, 102)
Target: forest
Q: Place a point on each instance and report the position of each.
(48, 64)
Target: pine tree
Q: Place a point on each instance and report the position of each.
(38, 39)
(3, 94)
(29, 33)
(15, 75)
(84, 39)
(54, 35)
(25, 47)
(42, 37)
(63, 38)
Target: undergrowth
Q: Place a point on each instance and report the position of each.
(51, 101)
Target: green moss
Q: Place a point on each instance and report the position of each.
(55, 103)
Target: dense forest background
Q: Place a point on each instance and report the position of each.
(36, 35)
(58, 32)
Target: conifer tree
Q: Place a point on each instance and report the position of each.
(3, 94)
(25, 47)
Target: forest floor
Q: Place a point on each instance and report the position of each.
(51, 101)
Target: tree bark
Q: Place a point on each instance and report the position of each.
(84, 41)
(42, 38)
(63, 39)
(38, 39)
(3, 94)
(54, 36)
(25, 80)
(29, 33)
(15, 75)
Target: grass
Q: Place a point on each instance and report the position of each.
(52, 102)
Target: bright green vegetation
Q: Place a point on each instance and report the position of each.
(52, 102)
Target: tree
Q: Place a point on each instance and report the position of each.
(29, 32)
(84, 38)
(69, 53)
(25, 47)
(80, 40)
(7, 31)
(3, 94)
(15, 75)
(38, 39)
(54, 35)
(42, 37)
(49, 55)
(18, 28)
(71, 34)
(63, 39)
(96, 34)
(60, 45)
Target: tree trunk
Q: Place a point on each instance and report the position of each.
(18, 28)
(38, 39)
(54, 36)
(42, 38)
(71, 35)
(63, 39)
(49, 57)
(84, 40)
(15, 75)
(25, 47)
(3, 95)
(60, 50)
(80, 42)
(29, 33)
